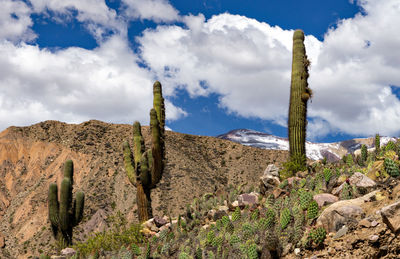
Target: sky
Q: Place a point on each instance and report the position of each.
(223, 64)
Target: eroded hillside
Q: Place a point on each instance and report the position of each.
(32, 157)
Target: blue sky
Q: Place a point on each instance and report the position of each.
(223, 64)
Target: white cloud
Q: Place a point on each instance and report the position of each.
(97, 16)
(156, 10)
(74, 84)
(15, 21)
(357, 64)
(247, 62)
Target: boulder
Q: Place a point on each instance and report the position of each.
(271, 170)
(159, 222)
(391, 216)
(362, 181)
(269, 179)
(342, 212)
(248, 199)
(68, 252)
(325, 198)
(219, 214)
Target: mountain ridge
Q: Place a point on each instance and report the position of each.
(333, 151)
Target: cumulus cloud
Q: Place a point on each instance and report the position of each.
(156, 10)
(15, 21)
(245, 61)
(95, 14)
(74, 84)
(357, 64)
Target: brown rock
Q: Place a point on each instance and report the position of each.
(247, 199)
(159, 221)
(277, 192)
(364, 223)
(391, 216)
(325, 198)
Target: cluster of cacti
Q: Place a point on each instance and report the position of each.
(144, 168)
(66, 213)
(305, 199)
(391, 167)
(300, 93)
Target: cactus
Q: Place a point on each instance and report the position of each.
(144, 168)
(236, 215)
(234, 240)
(199, 253)
(305, 198)
(346, 192)
(390, 146)
(66, 213)
(377, 145)
(391, 167)
(285, 218)
(300, 93)
(252, 251)
(364, 154)
(318, 236)
(312, 210)
(349, 160)
(327, 174)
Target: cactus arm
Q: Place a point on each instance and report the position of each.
(156, 169)
(138, 143)
(53, 207)
(128, 161)
(79, 204)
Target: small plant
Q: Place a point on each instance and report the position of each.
(391, 167)
(318, 236)
(364, 154)
(346, 193)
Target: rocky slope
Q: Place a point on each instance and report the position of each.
(332, 151)
(32, 157)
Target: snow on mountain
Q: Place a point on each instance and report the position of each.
(332, 151)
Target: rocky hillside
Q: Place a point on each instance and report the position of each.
(32, 157)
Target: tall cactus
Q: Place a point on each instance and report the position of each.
(144, 168)
(300, 93)
(65, 214)
(377, 144)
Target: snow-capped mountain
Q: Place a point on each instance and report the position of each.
(332, 151)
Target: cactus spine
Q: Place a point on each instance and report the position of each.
(299, 96)
(65, 214)
(144, 168)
